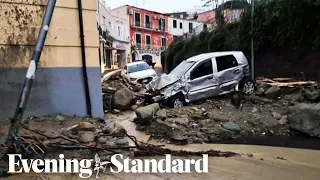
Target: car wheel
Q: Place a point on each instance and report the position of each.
(175, 102)
(248, 87)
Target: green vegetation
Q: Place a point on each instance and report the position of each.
(278, 24)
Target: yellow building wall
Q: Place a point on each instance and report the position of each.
(58, 87)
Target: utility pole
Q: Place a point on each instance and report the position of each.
(252, 45)
(30, 76)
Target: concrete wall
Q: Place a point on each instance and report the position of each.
(185, 26)
(58, 86)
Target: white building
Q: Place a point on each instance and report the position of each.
(114, 38)
(179, 27)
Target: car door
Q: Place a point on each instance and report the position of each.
(201, 82)
(229, 73)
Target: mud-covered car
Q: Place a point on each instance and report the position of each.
(203, 76)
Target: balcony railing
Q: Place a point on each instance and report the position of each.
(148, 26)
(149, 47)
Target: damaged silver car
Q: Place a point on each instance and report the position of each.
(203, 76)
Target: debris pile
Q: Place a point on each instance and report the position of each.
(119, 94)
(266, 112)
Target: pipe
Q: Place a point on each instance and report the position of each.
(30, 76)
(84, 63)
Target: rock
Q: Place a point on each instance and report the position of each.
(205, 122)
(134, 107)
(114, 129)
(87, 137)
(307, 122)
(115, 111)
(86, 126)
(273, 92)
(276, 115)
(145, 114)
(311, 95)
(102, 140)
(260, 92)
(184, 116)
(195, 109)
(110, 143)
(122, 142)
(194, 125)
(283, 120)
(254, 110)
(162, 113)
(181, 121)
(302, 106)
(224, 133)
(231, 126)
(203, 109)
(122, 99)
(59, 118)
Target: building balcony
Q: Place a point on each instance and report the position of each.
(148, 47)
(148, 26)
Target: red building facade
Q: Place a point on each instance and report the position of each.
(148, 34)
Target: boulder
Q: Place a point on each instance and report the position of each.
(231, 126)
(260, 92)
(122, 99)
(306, 121)
(302, 106)
(85, 126)
(114, 129)
(254, 110)
(87, 137)
(145, 114)
(273, 92)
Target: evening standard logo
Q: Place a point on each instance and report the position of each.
(88, 167)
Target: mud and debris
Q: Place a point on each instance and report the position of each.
(264, 113)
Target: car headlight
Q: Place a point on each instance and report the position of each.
(133, 79)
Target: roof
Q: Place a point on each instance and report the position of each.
(210, 55)
(155, 12)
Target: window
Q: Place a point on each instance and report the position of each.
(190, 27)
(181, 25)
(181, 16)
(119, 32)
(147, 21)
(148, 41)
(137, 19)
(226, 62)
(174, 23)
(138, 67)
(138, 40)
(204, 69)
(163, 43)
(162, 24)
(205, 26)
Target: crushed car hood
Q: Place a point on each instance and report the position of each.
(162, 82)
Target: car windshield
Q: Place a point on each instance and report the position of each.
(138, 67)
(182, 68)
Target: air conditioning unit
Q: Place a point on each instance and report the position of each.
(130, 12)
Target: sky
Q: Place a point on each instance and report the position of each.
(164, 6)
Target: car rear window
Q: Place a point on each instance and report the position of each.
(138, 67)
